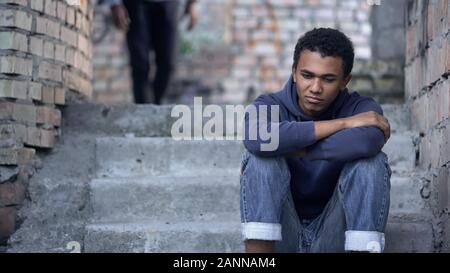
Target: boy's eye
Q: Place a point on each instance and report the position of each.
(329, 79)
(307, 76)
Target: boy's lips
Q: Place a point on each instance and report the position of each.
(313, 100)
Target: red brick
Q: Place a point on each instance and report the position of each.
(47, 115)
(410, 45)
(16, 18)
(16, 156)
(7, 221)
(33, 136)
(431, 19)
(47, 138)
(24, 113)
(435, 148)
(415, 78)
(13, 131)
(443, 188)
(60, 96)
(435, 64)
(12, 193)
(16, 2)
(35, 91)
(447, 50)
(6, 110)
(50, 71)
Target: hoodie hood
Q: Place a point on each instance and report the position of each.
(289, 97)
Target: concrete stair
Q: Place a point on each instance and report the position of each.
(156, 236)
(154, 194)
(166, 198)
(162, 156)
(165, 193)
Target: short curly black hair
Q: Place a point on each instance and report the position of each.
(329, 43)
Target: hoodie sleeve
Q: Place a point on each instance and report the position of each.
(266, 136)
(350, 144)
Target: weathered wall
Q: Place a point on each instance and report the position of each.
(45, 62)
(428, 96)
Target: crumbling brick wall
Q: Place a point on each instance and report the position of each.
(428, 96)
(45, 61)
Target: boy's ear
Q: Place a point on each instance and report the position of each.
(293, 75)
(346, 81)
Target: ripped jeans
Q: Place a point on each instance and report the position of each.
(353, 220)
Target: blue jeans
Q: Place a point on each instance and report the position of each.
(353, 220)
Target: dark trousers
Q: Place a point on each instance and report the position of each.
(153, 27)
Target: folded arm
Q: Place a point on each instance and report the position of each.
(292, 136)
(364, 136)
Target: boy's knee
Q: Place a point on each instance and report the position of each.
(367, 172)
(376, 163)
(267, 166)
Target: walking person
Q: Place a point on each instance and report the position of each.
(151, 25)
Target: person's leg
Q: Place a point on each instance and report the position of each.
(264, 190)
(356, 216)
(329, 228)
(163, 28)
(292, 231)
(138, 47)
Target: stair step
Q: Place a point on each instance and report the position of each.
(141, 120)
(157, 198)
(153, 120)
(117, 120)
(219, 237)
(405, 195)
(201, 198)
(185, 237)
(401, 152)
(409, 237)
(128, 157)
(398, 116)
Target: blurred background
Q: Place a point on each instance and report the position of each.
(241, 49)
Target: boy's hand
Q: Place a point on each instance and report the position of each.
(191, 12)
(370, 119)
(120, 17)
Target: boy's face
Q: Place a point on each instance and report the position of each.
(318, 80)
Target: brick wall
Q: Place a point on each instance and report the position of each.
(428, 96)
(45, 54)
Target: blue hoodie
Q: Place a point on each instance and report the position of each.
(314, 176)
